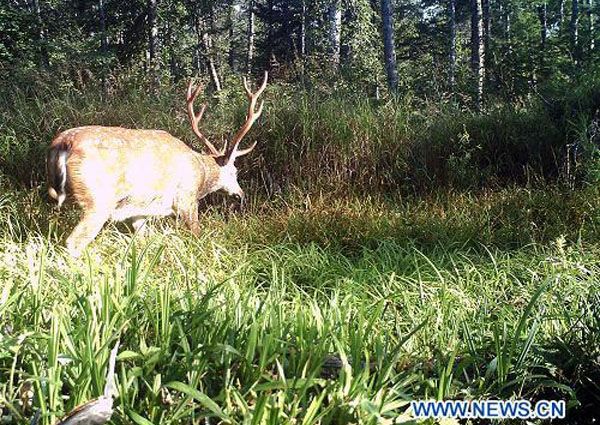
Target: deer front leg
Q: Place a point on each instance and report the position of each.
(86, 230)
(189, 214)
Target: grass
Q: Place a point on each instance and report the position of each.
(320, 311)
(321, 141)
(346, 289)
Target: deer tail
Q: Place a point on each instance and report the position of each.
(56, 167)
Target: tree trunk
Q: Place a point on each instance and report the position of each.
(44, 60)
(250, 37)
(561, 14)
(574, 29)
(487, 28)
(452, 13)
(103, 44)
(303, 31)
(271, 34)
(478, 49)
(103, 38)
(205, 45)
(335, 31)
(591, 25)
(543, 16)
(508, 31)
(199, 50)
(214, 75)
(231, 52)
(171, 40)
(474, 35)
(388, 44)
(153, 42)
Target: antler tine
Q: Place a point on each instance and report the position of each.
(251, 116)
(248, 92)
(196, 117)
(249, 149)
(263, 85)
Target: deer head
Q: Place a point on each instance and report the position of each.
(226, 157)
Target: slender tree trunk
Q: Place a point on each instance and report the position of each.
(543, 16)
(231, 52)
(452, 13)
(103, 38)
(205, 46)
(487, 27)
(250, 37)
(44, 60)
(199, 52)
(388, 44)
(335, 31)
(474, 37)
(508, 31)
(574, 29)
(271, 34)
(478, 49)
(561, 13)
(103, 44)
(591, 25)
(214, 75)
(153, 42)
(173, 68)
(303, 31)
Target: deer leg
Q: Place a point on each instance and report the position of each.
(139, 225)
(86, 230)
(190, 218)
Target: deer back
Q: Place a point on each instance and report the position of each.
(107, 165)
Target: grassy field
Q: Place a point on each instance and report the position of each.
(321, 310)
(385, 256)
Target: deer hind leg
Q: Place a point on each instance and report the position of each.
(139, 225)
(86, 230)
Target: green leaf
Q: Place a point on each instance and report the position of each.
(140, 420)
(198, 396)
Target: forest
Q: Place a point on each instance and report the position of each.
(421, 216)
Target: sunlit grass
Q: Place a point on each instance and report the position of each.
(320, 311)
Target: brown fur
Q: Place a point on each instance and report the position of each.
(117, 173)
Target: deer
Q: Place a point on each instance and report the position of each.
(118, 174)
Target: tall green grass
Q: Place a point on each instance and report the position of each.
(320, 314)
(315, 140)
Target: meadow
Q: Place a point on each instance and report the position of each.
(384, 257)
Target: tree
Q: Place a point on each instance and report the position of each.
(42, 37)
(388, 43)
(334, 14)
(590, 12)
(250, 37)
(303, 30)
(543, 17)
(478, 49)
(452, 24)
(574, 29)
(153, 41)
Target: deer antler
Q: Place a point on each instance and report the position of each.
(251, 116)
(192, 94)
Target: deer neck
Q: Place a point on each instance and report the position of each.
(211, 174)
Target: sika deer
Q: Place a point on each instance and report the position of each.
(115, 173)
